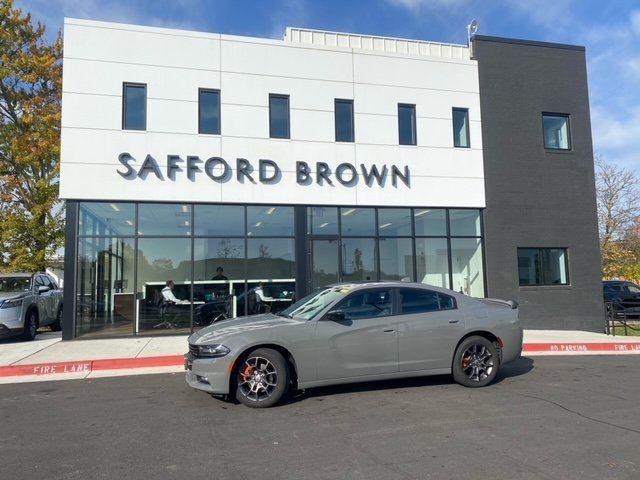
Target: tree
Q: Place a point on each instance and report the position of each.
(30, 95)
(618, 197)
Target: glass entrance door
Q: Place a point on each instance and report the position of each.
(325, 262)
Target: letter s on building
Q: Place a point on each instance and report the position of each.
(124, 158)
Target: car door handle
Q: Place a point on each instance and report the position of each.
(389, 330)
(454, 321)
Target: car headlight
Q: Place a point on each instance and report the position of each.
(11, 303)
(212, 350)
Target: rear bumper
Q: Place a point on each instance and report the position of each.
(512, 345)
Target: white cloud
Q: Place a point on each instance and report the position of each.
(635, 21)
(415, 5)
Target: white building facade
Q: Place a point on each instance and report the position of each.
(290, 164)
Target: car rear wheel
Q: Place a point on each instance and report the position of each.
(261, 378)
(30, 325)
(56, 326)
(475, 363)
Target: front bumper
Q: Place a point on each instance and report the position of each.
(210, 375)
(11, 319)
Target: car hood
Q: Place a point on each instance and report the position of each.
(258, 325)
(12, 295)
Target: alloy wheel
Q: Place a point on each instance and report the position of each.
(477, 362)
(257, 379)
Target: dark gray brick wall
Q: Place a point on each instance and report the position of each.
(538, 198)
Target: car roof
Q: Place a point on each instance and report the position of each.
(617, 282)
(390, 283)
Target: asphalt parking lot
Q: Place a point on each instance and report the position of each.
(547, 418)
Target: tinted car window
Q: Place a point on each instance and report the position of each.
(422, 301)
(373, 303)
(39, 281)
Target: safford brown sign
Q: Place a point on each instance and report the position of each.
(263, 171)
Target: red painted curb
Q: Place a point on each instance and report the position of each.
(87, 366)
(631, 347)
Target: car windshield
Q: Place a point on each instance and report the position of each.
(307, 307)
(14, 284)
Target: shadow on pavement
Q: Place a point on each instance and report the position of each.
(516, 368)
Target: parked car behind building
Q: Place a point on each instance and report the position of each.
(624, 297)
(27, 302)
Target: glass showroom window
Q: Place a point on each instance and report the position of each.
(344, 120)
(209, 111)
(430, 222)
(557, 134)
(396, 259)
(467, 273)
(164, 219)
(161, 260)
(134, 106)
(461, 127)
(543, 266)
(106, 219)
(270, 275)
(358, 221)
(104, 286)
(279, 126)
(432, 261)
(358, 260)
(407, 124)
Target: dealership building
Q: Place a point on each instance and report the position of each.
(251, 171)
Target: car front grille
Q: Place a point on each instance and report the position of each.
(193, 350)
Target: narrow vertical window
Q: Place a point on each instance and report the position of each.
(279, 116)
(134, 106)
(407, 124)
(461, 128)
(344, 120)
(209, 111)
(557, 134)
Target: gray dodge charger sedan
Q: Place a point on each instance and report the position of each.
(355, 333)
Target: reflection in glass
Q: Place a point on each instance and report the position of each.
(407, 124)
(135, 107)
(358, 260)
(542, 266)
(358, 221)
(394, 222)
(161, 260)
(466, 263)
(219, 220)
(279, 116)
(164, 219)
(430, 221)
(556, 132)
(465, 223)
(324, 220)
(460, 127)
(209, 111)
(270, 220)
(108, 219)
(432, 261)
(396, 259)
(324, 262)
(344, 120)
(104, 288)
(270, 258)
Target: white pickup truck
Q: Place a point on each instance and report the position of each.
(27, 302)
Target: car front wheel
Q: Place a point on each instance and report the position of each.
(261, 378)
(475, 363)
(30, 325)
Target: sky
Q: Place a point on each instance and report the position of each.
(609, 29)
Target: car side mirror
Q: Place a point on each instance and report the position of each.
(43, 289)
(336, 316)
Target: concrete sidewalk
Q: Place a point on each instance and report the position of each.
(48, 358)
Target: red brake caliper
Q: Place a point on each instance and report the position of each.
(246, 373)
(465, 362)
